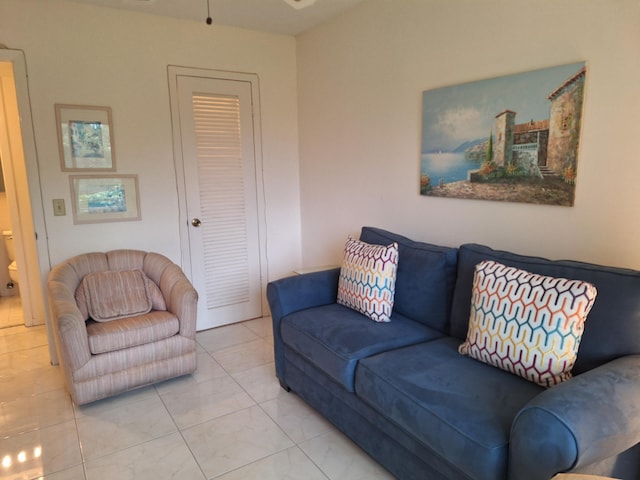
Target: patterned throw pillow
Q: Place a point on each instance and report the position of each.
(368, 279)
(527, 324)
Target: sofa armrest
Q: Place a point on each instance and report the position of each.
(589, 418)
(298, 292)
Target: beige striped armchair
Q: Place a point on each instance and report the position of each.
(121, 320)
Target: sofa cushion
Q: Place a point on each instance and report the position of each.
(368, 278)
(424, 280)
(460, 408)
(334, 338)
(613, 327)
(132, 331)
(527, 324)
(109, 295)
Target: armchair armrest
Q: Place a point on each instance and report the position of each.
(298, 292)
(69, 329)
(181, 299)
(589, 418)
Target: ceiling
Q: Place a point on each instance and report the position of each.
(275, 16)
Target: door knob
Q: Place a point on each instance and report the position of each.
(196, 222)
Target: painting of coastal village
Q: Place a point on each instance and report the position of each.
(513, 138)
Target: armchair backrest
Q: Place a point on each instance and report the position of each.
(72, 271)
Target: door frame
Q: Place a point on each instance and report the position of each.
(173, 72)
(28, 221)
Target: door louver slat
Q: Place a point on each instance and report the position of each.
(222, 198)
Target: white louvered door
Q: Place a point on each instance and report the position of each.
(218, 152)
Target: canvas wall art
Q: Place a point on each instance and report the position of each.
(513, 138)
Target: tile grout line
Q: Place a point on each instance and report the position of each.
(75, 422)
(179, 430)
(258, 404)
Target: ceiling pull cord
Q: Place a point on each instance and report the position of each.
(209, 19)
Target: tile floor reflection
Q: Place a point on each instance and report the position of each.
(230, 420)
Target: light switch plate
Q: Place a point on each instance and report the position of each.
(59, 209)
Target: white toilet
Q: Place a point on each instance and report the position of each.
(11, 252)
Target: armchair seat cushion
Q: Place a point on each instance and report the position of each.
(131, 331)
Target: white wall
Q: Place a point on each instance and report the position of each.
(79, 54)
(361, 78)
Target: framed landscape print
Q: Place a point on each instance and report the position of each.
(85, 138)
(104, 198)
(513, 138)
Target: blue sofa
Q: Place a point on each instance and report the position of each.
(405, 395)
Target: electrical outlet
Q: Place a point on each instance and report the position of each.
(59, 209)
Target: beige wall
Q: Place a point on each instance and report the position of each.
(78, 54)
(360, 83)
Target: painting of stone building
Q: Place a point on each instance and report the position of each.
(533, 160)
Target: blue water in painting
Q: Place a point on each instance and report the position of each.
(447, 167)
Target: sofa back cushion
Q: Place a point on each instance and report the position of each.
(613, 326)
(424, 279)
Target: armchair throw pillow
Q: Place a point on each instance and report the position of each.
(110, 295)
(368, 278)
(527, 324)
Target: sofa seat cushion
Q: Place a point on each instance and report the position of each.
(334, 338)
(452, 404)
(132, 331)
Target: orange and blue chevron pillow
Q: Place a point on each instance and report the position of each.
(368, 279)
(527, 324)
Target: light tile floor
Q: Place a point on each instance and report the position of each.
(230, 420)
(11, 311)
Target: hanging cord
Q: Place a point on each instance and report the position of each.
(209, 19)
